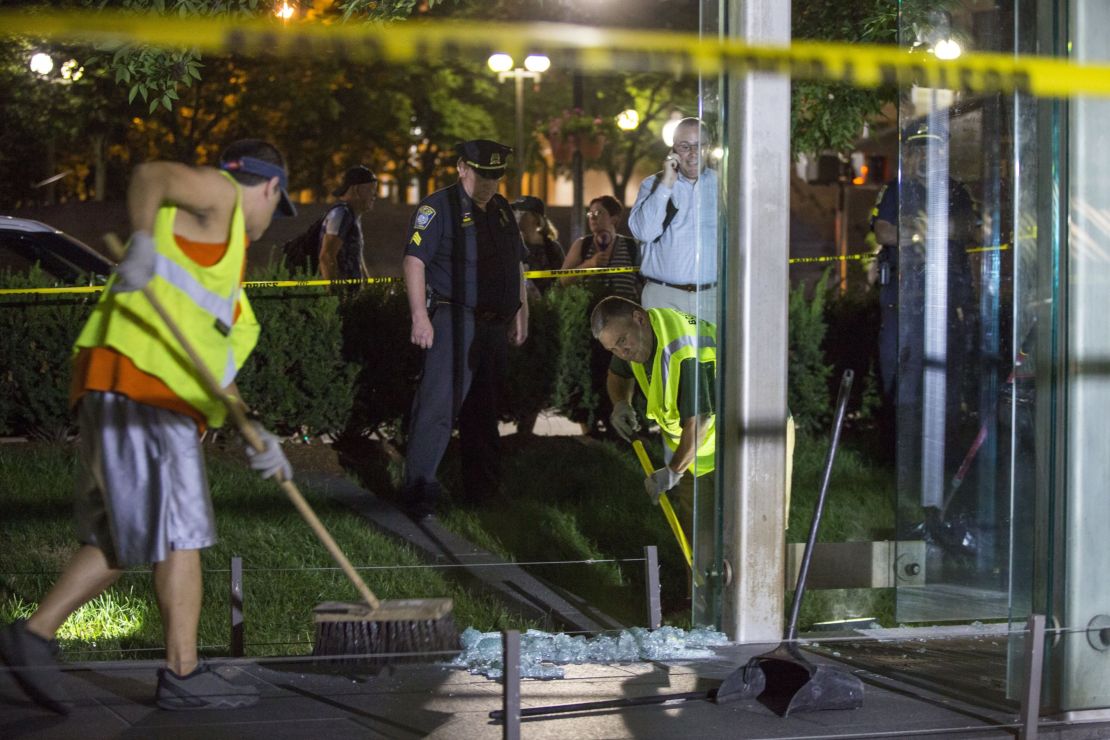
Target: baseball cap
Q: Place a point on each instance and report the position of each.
(528, 203)
(262, 168)
(488, 158)
(357, 175)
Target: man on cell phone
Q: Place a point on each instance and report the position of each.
(675, 219)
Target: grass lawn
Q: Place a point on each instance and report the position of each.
(287, 572)
(566, 499)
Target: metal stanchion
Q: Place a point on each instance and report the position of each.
(237, 607)
(1034, 665)
(651, 582)
(510, 658)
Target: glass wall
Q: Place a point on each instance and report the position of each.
(959, 292)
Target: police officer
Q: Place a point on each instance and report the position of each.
(465, 281)
(900, 221)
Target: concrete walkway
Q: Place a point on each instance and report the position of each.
(300, 700)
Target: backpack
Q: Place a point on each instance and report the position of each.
(302, 252)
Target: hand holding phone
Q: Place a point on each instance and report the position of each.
(670, 168)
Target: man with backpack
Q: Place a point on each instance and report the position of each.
(675, 219)
(333, 245)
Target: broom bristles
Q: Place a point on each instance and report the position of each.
(399, 631)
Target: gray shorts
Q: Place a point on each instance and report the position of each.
(142, 490)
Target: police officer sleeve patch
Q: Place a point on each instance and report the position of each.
(424, 216)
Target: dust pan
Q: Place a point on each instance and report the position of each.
(782, 679)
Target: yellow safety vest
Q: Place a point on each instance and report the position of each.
(202, 301)
(678, 337)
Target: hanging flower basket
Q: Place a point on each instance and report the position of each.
(562, 148)
(572, 130)
(592, 147)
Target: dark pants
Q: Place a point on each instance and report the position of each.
(903, 363)
(463, 370)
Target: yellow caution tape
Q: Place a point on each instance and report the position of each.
(570, 47)
(530, 274)
(579, 271)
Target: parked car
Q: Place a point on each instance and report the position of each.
(24, 242)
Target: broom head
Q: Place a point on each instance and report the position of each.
(397, 631)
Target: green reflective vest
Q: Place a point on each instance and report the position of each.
(202, 301)
(678, 337)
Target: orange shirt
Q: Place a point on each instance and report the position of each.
(106, 370)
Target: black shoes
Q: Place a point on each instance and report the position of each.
(34, 665)
(204, 688)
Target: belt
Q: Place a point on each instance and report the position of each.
(688, 287)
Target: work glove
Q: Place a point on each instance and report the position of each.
(661, 481)
(137, 267)
(271, 461)
(623, 420)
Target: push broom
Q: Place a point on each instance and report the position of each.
(389, 629)
(665, 505)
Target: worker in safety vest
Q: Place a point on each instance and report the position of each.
(142, 490)
(672, 357)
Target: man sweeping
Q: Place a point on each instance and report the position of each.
(672, 357)
(142, 491)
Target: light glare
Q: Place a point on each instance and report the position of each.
(627, 120)
(41, 64)
(947, 49)
(537, 63)
(500, 62)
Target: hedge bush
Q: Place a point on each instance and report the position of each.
(333, 361)
(36, 337)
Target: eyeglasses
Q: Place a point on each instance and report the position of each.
(594, 214)
(683, 147)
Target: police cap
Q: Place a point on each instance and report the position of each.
(488, 158)
(919, 134)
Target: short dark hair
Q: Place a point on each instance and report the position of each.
(613, 307)
(610, 204)
(256, 149)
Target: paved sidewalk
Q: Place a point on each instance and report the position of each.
(300, 700)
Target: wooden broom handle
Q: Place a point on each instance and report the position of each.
(238, 414)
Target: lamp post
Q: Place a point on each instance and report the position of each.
(534, 67)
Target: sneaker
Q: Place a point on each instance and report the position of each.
(33, 662)
(204, 688)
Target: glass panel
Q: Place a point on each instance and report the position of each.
(954, 341)
(707, 567)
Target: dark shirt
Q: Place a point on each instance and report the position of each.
(961, 207)
(626, 253)
(348, 259)
(548, 255)
(481, 273)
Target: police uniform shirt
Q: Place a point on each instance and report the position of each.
(914, 202)
(492, 252)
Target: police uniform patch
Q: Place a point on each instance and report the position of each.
(424, 216)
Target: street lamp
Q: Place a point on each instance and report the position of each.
(534, 67)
